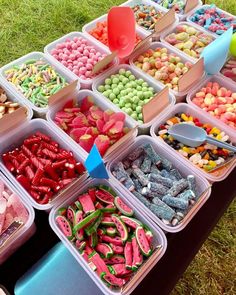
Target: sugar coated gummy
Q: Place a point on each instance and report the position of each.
(206, 156)
(161, 188)
(189, 40)
(218, 101)
(127, 92)
(212, 19)
(87, 124)
(36, 80)
(162, 65)
(179, 5)
(42, 167)
(110, 238)
(229, 69)
(100, 33)
(11, 208)
(6, 105)
(78, 56)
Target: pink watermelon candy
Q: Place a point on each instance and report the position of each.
(118, 116)
(80, 121)
(108, 125)
(104, 249)
(98, 262)
(64, 226)
(116, 128)
(85, 255)
(116, 240)
(70, 214)
(122, 207)
(107, 115)
(19, 209)
(111, 280)
(80, 245)
(107, 221)
(115, 259)
(3, 208)
(88, 250)
(79, 233)
(96, 113)
(103, 143)
(105, 196)
(117, 249)
(149, 237)
(98, 205)
(128, 253)
(92, 131)
(137, 255)
(132, 222)
(87, 203)
(76, 133)
(86, 142)
(86, 104)
(121, 227)
(142, 241)
(92, 193)
(120, 270)
(100, 124)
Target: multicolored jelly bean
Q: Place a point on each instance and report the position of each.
(36, 80)
(206, 156)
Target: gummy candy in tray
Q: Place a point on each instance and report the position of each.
(144, 185)
(96, 265)
(16, 219)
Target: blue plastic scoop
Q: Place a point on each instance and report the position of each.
(194, 136)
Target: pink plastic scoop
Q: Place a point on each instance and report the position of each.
(121, 30)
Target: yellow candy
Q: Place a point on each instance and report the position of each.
(215, 130)
(212, 164)
(187, 150)
(184, 117)
(218, 137)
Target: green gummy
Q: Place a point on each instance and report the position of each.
(101, 88)
(30, 61)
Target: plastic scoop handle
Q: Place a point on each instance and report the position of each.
(220, 144)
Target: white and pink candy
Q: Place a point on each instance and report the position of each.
(11, 208)
(78, 56)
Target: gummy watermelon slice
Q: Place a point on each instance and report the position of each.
(65, 226)
(105, 196)
(109, 209)
(116, 240)
(128, 253)
(80, 233)
(98, 262)
(119, 270)
(104, 249)
(62, 211)
(92, 193)
(93, 227)
(124, 209)
(71, 214)
(137, 255)
(142, 241)
(80, 245)
(132, 222)
(111, 280)
(87, 203)
(115, 259)
(93, 240)
(149, 236)
(87, 220)
(117, 249)
(121, 227)
(107, 221)
(111, 231)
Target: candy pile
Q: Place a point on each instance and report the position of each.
(42, 167)
(11, 208)
(157, 184)
(37, 80)
(217, 101)
(229, 69)
(212, 19)
(146, 16)
(87, 124)
(164, 66)
(189, 40)
(179, 5)
(128, 92)
(6, 106)
(206, 156)
(78, 56)
(100, 33)
(102, 228)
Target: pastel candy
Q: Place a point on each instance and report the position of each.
(3, 207)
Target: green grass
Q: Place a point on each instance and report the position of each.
(28, 25)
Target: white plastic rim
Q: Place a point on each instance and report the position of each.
(184, 168)
(158, 236)
(172, 30)
(25, 232)
(171, 49)
(132, 3)
(91, 41)
(88, 27)
(16, 137)
(69, 77)
(145, 126)
(203, 6)
(215, 176)
(99, 101)
(223, 82)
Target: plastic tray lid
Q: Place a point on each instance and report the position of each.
(56, 273)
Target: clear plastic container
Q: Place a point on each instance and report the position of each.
(144, 128)
(16, 137)
(92, 42)
(203, 6)
(181, 15)
(185, 169)
(24, 233)
(223, 82)
(14, 97)
(180, 96)
(217, 175)
(90, 26)
(99, 101)
(132, 3)
(173, 30)
(158, 236)
(69, 77)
